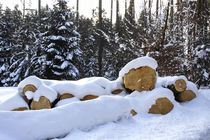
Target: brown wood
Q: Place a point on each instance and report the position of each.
(29, 87)
(162, 106)
(43, 103)
(187, 95)
(20, 109)
(117, 91)
(133, 112)
(141, 79)
(66, 95)
(180, 85)
(89, 97)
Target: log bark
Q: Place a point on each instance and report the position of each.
(187, 95)
(43, 103)
(162, 106)
(117, 91)
(141, 79)
(89, 97)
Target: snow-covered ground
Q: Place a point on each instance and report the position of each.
(187, 121)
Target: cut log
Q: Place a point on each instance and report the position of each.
(66, 95)
(117, 91)
(141, 79)
(29, 87)
(20, 109)
(179, 86)
(43, 103)
(187, 95)
(133, 112)
(89, 97)
(162, 106)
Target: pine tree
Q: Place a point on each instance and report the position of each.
(60, 44)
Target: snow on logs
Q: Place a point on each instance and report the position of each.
(138, 77)
(181, 87)
(139, 74)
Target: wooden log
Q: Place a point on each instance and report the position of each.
(65, 96)
(133, 112)
(162, 106)
(20, 109)
(141, 79)
(89, 97)
(179, 86)
(117, 91)
(29, 87)
(187, 95)
(43, 103)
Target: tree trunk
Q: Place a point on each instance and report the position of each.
(172, 16)
(100, 40)
(157, 8)
(77, 11)
(111, 10)
(166, 25)
(126, 9)
(117, 16)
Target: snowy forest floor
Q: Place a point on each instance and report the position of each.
(188, 121)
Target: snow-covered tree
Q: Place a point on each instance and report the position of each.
(60, 45)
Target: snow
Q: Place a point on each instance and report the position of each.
(142, 102)
(137, 63)
(60, 121)
(67, 101)
(50, 88)
(10, 99)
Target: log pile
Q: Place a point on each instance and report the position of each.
(143, 78)
(180, 92)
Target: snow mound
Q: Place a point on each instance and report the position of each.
(142, 102)
(29, 80)
(169, 80)
(137, 63)
(44, 124)
(50, 88)
(67, 101)
(14, 102)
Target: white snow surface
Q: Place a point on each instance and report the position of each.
(59, 121)
(10, 101)
(137, 63)
(108, 118)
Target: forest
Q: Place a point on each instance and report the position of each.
(59, 43)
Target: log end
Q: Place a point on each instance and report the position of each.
(20, 109)
(89, 97)
(141, 79)
(180, 85)
(66, 95)
(162, 106)
(29, 87)
(117, 91)
(133, 112)
(43, 103)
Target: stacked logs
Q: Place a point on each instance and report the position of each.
(180, 92)
(144, 79)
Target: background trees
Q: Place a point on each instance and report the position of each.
(67, 45)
